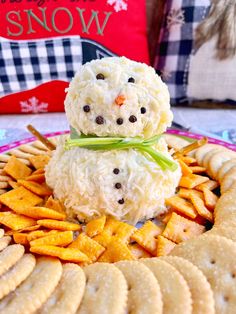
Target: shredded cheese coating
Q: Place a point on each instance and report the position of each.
(84, 181)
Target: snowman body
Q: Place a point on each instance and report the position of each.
(114, 97)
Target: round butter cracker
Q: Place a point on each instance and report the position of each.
(35, 290)
(215, 257)
(105, 291)
(201, 292)
(228, 181)
(16, 274)
(4, 241)
(174, 141)
(207, 157)
(175, 292)
(144, 294)
(202, 151)
(67, 296)
(224, 229)
(9, 256)
(2, 232)
(225, 209)
(227, 166)
(217, 160)
(225, 216)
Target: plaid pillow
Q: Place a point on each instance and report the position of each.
(194, 55)
(26, 64)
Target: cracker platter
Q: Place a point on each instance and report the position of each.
(128, 220)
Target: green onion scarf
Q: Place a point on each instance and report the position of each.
(118, 143)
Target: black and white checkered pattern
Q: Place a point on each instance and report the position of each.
(26, 64)
(176, 44)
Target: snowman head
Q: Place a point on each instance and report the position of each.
(118, 97)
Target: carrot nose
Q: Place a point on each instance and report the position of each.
(120, 99)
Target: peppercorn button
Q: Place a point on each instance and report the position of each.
(86, 108)
(116, 171)
(99, 120)
(119, 121)
(132, 119)
(143, 110)
(121, 201)
(118, 185)
(100, 76)
(131, 80)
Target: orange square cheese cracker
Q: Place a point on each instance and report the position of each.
(39, 161)
(19, 198)
(114, 229)
(200, 207)
(4, 208)
(146, 236)
(188, 160)
(13, 184)
(15, 222)
(36, 234)
(20, 238)
(54, 204)
(59, 225)
(197, 169)
(119, 229)
(17, 169)
(182, 206)
(39, 178)
(116, 251)
(210, 184)
(180, 229)
(166, 218)
(192, 180)
(39, 189)
(41, 213)
(39, 171)
(65, 254)
(184, 168)
(164, 246)
(28, 229)
(210, 198)
(103, 238)
(88, 246)
(186, 193)
(95, 226)
(200, 220)
(10, 232)
(138, 251)
(59, 239)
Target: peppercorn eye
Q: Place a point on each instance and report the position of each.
(131, 80)
(100, 76)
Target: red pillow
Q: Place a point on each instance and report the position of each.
(43, 43)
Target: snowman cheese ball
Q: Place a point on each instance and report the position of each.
(110, 101)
